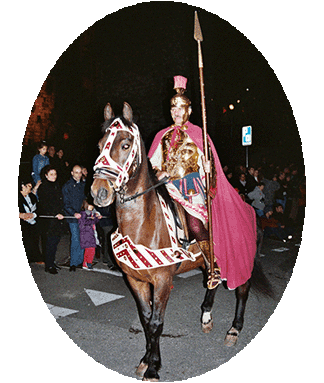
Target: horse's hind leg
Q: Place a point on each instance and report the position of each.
(143, 297)
(242, 293)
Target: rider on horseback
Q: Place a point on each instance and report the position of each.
(177, 152)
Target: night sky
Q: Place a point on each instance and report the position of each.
(133, 54)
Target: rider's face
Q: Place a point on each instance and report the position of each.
(177, 114)
(180, 114)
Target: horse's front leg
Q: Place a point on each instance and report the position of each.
(242, 294)
(206, 307)
(143, 297)
(162, 289)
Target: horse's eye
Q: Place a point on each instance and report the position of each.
(125, 146)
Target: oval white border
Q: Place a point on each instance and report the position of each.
(288, 35)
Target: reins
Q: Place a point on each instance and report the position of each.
(162, 182)
(103, 173)
(66, 216)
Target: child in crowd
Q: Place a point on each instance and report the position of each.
(88, 234)
(40, 160)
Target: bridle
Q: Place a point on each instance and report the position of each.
(105, 167)
(116, 175)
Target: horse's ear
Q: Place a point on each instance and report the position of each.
(108, 112)
(128, 112)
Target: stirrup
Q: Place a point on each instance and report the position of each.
(214, 279)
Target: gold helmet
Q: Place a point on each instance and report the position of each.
(179, 99)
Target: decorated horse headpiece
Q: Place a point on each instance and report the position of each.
(105, 166)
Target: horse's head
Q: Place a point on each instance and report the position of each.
(120, 154)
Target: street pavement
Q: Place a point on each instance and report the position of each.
(97, 311)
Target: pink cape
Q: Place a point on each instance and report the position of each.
(233, 220)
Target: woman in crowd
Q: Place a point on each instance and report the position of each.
(27, 203)
(51, 205)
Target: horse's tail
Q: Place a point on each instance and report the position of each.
(259, 282)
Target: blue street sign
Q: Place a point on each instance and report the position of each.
(247, 135)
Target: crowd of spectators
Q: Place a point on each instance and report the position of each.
(53, 201)
(278, 195)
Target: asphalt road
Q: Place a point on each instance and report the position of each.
(97, 311)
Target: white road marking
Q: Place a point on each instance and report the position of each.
(60, 312)
(99, 297)
(107, 271)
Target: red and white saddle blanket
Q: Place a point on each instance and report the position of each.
(139, 257)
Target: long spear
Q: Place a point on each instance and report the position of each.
(199, 38)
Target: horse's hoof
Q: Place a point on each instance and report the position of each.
(231, 337)
(207, 327)
(140, 371)
(207, 322)
(151, 375)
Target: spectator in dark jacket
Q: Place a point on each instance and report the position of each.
(73, 197)
(51, 205)
(105, 228)
(242, 186)
(62, 167)
(281, 193)
(251, 183)
(294, 194)
(271, 185)
(277, 226)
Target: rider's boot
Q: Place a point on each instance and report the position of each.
(214, 279)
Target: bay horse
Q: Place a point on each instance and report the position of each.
(124, 176)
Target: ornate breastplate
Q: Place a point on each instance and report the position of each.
(180, 154)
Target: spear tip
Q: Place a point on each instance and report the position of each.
(197, 30)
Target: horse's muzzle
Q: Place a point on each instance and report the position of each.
(102, 192)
